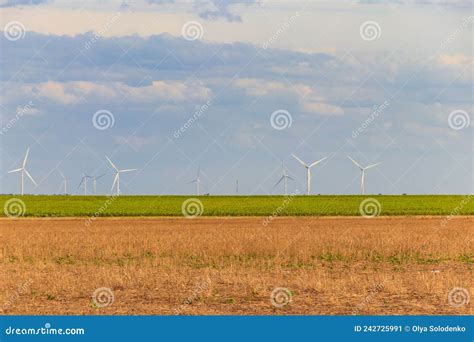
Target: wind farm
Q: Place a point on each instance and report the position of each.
(236, 158)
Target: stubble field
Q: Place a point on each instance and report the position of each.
(236, 265)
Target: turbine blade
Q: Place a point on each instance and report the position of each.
(127, 170)
(318, 161)
(301, 162)
(62, 175)
(115, 181)
(279, 181)
(193, 181)
(113, 165)
(26, 157)
(16, 170)
(373, 165)
(102, 175)
(82, 181)
(356, 163)
(289, 177)
(31, 178)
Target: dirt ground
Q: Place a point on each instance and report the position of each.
(237, 266)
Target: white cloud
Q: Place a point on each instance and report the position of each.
(71, 93)
(322, 109)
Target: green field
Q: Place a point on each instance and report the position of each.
(62, 206)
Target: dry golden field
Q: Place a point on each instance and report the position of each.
(342, 265)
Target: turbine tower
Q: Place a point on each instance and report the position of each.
(116, 182)
(308, 171)
(84, 179)
(197, 180)
(64, 183)
(24, 172)
(363, 169)
(94, 182)
(284, 178)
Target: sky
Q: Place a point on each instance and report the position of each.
(236, 88)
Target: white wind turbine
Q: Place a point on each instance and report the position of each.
(284, 178)
(64, 183)
(84, 179)
(308, 171)
(94, 182)
(197, 180)
(116, 182)
(24, 172)
(362, 179)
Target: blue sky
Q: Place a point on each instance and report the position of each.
(386, 82)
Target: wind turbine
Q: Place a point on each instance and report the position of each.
(308, 171)
(362, 179)
(284, 178)
(197, 180)
(94, 181)
(64, 181)
(24, 172)
(84, 180)
(117, 175)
